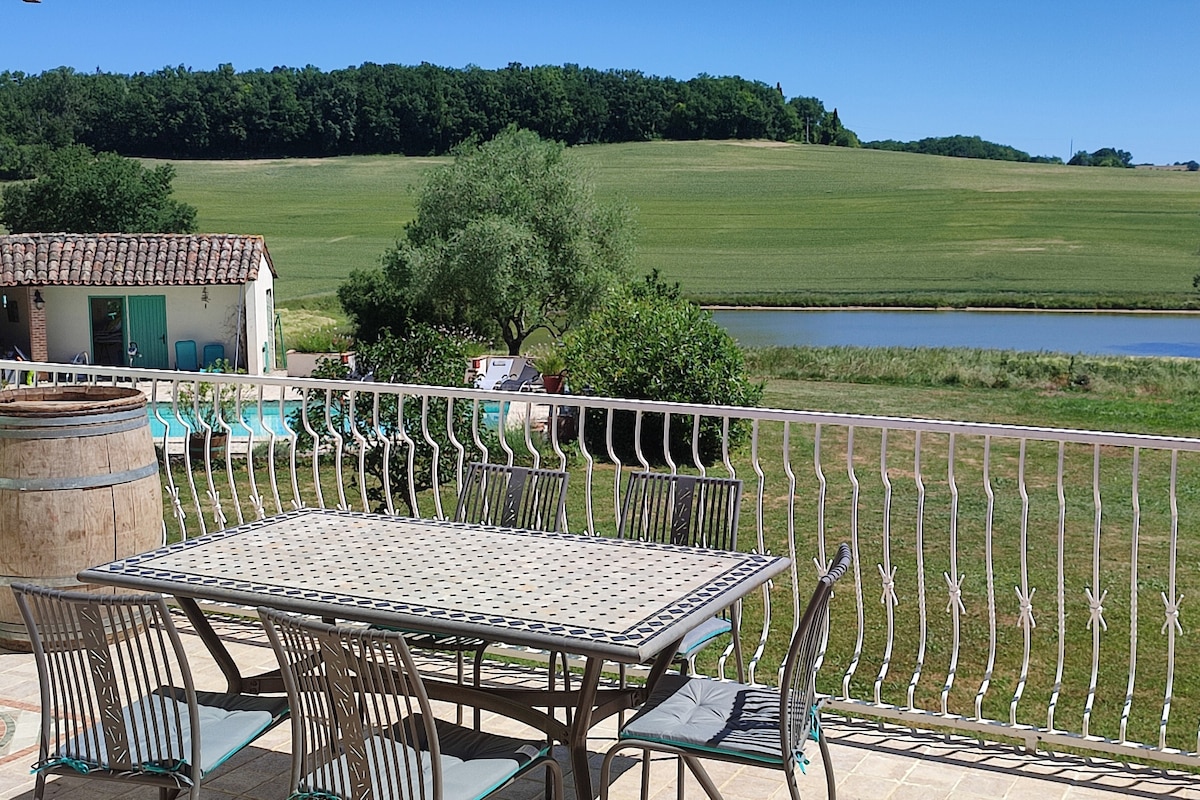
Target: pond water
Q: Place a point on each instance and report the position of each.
(1128, 334)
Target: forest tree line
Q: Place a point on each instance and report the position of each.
(177, 112)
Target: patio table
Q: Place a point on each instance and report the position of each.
(599, 598)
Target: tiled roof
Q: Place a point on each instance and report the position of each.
(130, 259)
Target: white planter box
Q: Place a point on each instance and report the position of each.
(301, 365)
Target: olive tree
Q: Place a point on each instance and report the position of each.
(507, 239)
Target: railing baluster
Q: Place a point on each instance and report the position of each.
(1060, 481)
(386, 468)
(953, 580)
(360, 444)
(1025, 592)
(434, 459)
(858, 587)
(1134, 534)
(760, 547)
(1095, 595)
(589, 470)
(990, 572)
(887, 573)
(922, 613)
(338, 443)
(793, 569)
(1171, 602)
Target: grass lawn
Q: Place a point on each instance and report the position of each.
(755, 222)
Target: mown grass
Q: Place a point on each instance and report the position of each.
(743, 222)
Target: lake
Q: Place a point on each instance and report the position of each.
(1124, 334)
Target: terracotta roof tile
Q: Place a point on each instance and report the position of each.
(130, 259)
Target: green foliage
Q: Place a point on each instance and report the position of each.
(507, 240)
(177, 112)
(425, 356)
(959, 147)
(1104, 157)
(78, 192)
(647, 343)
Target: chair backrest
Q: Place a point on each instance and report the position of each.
(213, 352)
(361, 720)
(513, 497)
(116, 691)
(681, 509)
(800, 667)
(185, 355)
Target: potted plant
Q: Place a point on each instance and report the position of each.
(551, 364)
(204, 405)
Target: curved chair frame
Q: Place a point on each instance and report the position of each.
(363, 726)
(698, 718)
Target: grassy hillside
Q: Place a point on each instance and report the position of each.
(757, 222)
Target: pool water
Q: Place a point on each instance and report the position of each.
(270, 421)
(489, 417)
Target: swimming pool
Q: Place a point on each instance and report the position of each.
(489, 417)
(270, 420)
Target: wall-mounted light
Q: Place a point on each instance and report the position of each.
(204, 296)
(38, 301)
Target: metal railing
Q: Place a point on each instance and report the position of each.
(1013, 582)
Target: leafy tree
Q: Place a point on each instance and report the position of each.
(507, 240)
(1104, 157)
(427, 356)
(78, 192)
(1193, 166)
(647, 342)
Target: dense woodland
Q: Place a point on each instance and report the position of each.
(961, 147)
(178, 112)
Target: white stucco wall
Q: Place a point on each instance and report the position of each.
(68, 318)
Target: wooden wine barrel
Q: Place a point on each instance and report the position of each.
(79, 486)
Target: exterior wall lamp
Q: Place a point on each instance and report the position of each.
(39, 302)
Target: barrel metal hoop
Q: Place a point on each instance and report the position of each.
(13, 427)
(87, 482)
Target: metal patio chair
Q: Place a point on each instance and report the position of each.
(363, 728)
(696, 718)
(117, 697)
(692, 511)
(508, 497)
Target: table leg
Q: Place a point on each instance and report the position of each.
(229, 668)
(577, 743)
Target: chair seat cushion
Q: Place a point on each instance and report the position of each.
(474, 764)
(702, 634)
(227, 724)
(711, 716)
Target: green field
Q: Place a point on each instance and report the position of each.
(755, 222)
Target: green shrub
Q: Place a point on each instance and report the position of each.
(647, 343)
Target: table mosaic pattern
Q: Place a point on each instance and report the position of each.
(608, 597)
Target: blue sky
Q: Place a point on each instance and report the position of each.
(1035, 75)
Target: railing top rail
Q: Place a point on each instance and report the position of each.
(1000, 430)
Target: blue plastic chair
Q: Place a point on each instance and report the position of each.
(185, 356)
(213, 352)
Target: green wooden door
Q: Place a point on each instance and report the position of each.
(148, 327)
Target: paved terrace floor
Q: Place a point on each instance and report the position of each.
(871, 763)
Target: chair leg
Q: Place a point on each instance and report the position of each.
(827, 762)
(479, 654)
(459, 658)
(39, 786)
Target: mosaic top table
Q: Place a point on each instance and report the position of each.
(603, 599)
